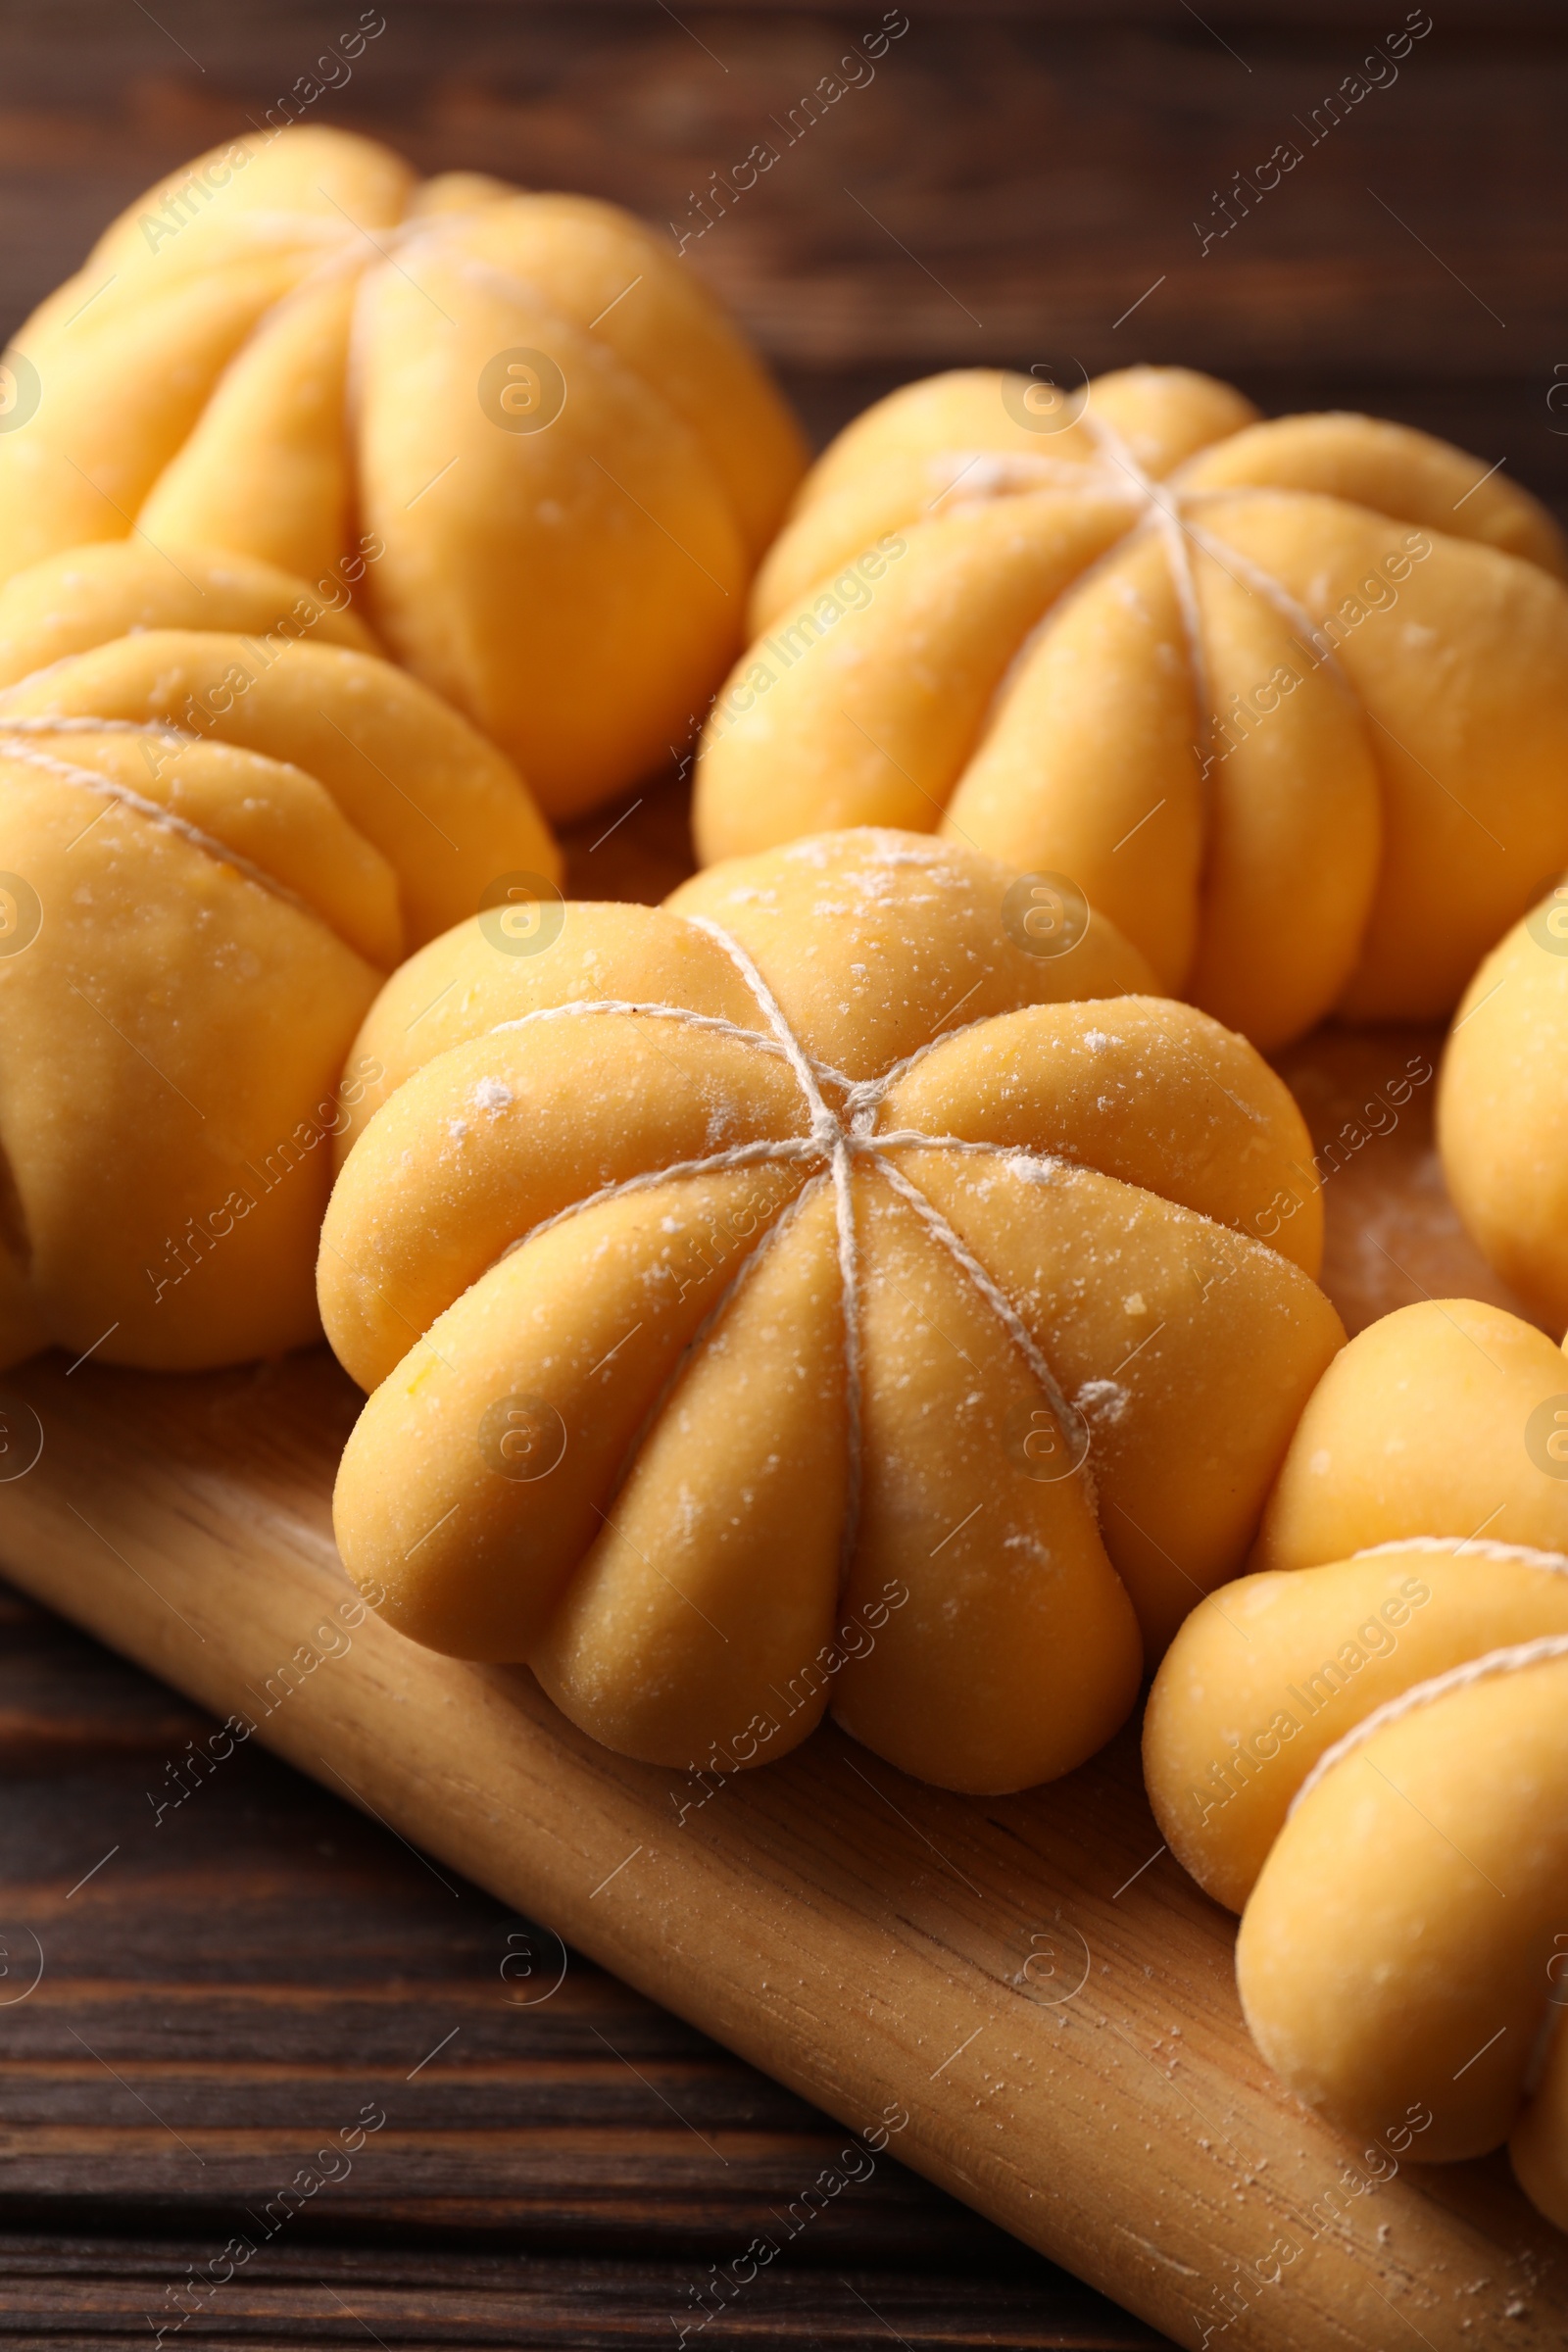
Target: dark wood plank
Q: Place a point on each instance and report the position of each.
(1009, 184)
(231, 1982)
(68, 2294)
(260, 1961)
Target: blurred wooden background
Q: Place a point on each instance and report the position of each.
(1025, 183)
(1011, 180)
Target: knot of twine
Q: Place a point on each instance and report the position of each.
(839, 1138)
(1165, 509)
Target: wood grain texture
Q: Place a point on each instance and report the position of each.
(270, 1960)
(1009, 183)
(75, 2295)
(866, 1940)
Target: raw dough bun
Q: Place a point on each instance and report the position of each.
(564, 1200)
(218, 833)
(1436, 1420)
(1282, 746)
(559, 456)
(1371, 1755)
(1502, 1108)
(86, 596)
(1398, 1947)
(1538, 2145)
(1269, 1672)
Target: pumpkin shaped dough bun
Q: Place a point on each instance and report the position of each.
(562, 457)
(223, 822)
(1286, 699)
(1368, 1757)
(1502, 1108)
(797, 1295)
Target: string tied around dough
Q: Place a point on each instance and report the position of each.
(1479, 1547)
(352, 251)
(1516, 1657)
(18, 742)
(841, 1138)
(1168, 509)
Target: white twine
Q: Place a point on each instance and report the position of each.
(634, 1005)
(1273, 591)
(839, 1138)
(360, 251)
(1164, 508)
(1555, 1563)
(1162, 513)
(92, 727)
(353, 250)
(830, 1136)
(14, 745)
(1515, 1659)
(350, 249)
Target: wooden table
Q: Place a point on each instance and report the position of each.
(567, 2161)
(1012, 181)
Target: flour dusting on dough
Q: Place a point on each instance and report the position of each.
(1103, 1402)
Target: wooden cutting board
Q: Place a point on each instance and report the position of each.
(1024, 1998)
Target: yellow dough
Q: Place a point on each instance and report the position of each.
(1398, 1947)
(553, 458)
(1502, 1108)
(222, 825)
(794, 1296)
(1436, 1420)
(1287, 701)
(1264, 1678)
(1369, 1758)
